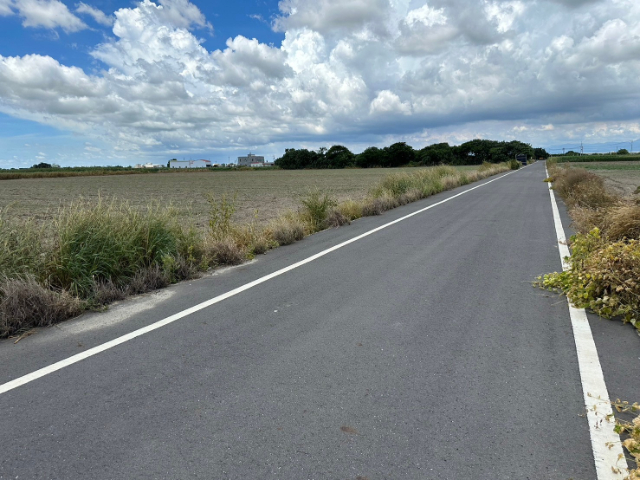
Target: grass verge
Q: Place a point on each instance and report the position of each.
(91, 255)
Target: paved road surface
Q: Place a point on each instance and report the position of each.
(418, 352)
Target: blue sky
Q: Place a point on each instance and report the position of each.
(106, 82)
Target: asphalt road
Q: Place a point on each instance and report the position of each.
(420, 352)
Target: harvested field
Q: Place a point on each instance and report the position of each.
(261, 194)
(623, 178)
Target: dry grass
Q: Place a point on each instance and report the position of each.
(25, 304)
(620, 178)
(287, 229)
(605, 254)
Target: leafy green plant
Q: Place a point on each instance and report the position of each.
(602, 277)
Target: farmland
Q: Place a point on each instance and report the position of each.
(621, 177)
(261, 194)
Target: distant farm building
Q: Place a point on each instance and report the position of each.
(189, 163)
(251, 160)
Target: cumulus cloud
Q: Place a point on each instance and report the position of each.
(440, 70)
(98, 15)
(387, 102)
(48, 14)
(181, 13)
(330, 15)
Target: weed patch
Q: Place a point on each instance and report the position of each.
(316, 208)
(604, 266)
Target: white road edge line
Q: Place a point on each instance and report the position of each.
(605, 443)
(30, 377)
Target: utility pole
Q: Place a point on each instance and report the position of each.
(562, 150)
(581, 149)
(631, 146)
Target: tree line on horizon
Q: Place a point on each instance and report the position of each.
(474, 152)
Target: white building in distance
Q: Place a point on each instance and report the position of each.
(189, 163)
(251, 160)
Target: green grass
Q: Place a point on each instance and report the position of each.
(598, 158)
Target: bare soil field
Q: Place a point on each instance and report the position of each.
(261, 195)
(621, 177)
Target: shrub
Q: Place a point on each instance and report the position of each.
(513, 164)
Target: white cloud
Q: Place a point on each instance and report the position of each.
(5, 8)
(427, 16)
(181, 13)
(98, 15)
(388, 102)
(48, 14)
(379, 71)
(330, 15)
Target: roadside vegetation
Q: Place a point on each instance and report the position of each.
(604, 268)
(90, 255)
(604, 273)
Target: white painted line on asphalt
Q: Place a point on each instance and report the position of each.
(161, 323)
(605, 443)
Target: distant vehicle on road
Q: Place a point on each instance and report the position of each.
(522, 158)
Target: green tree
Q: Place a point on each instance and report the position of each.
(399, 154)
(339, 156)
(435, 154)
(42, 165)
(371, 157)
(623, 151)
(540, 153)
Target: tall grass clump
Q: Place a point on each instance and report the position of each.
(22, 249)
(316, 207)
(111, 243)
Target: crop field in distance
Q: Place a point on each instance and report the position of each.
(621, 177)
(261, 194)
